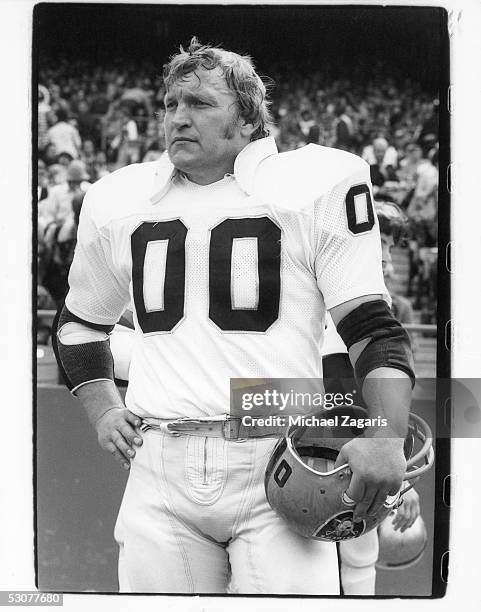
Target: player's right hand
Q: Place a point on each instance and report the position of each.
(378, 466)
(116, 433)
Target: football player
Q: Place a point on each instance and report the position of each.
(358, 556)
(231, 254)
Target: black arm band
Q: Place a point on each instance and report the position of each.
(82, 363)
(388, 344)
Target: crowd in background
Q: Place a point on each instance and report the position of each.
(94, 119)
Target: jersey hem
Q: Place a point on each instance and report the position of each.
(353, 294)
(88, 317)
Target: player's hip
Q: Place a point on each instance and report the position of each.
(206, 482)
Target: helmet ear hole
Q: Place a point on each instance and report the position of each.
(319, 464)
(318, 452)
(319, 459)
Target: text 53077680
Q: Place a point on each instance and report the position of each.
(30, 598)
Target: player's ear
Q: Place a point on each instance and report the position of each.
(246, 129)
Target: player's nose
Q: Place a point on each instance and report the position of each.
(181, 117)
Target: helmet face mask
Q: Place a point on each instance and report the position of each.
(303, 487)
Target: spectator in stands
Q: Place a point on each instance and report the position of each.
(127, 141)
(98, 100)
(393, 226)
(87, 122)
(401, 306)
(57, 174)
(306, 122)
(64, 159)
(44, 299)
(111, 129)
(42, 180)
(381, 171)
(57, 208)
(64, 136)
(422, 213)
(43, 112)
(153, 142)
(57, 102)
(344, 130)
(314, 135)
(67, 235)
(428, 133)
(88, 157)
(401, 139)
(49, 155)
(380, 152)
(407, 173)
(101, 168)
(135, 96)
(422, 209)
(140, 118)
(60, 241)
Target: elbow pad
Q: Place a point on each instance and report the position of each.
(82, 350)
(386, 342)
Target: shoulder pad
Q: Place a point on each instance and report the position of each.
(123, 192)
(303, 175)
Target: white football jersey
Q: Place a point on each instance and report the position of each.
(227, 280)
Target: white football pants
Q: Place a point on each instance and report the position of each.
(358, 564)
(195, 519)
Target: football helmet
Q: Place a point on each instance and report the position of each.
(303, 487)
(400, 550)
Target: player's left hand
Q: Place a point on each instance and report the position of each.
(378, 466)
(407, 512)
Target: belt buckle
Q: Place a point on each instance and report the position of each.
(231, 428)
(186, 425)
(170, 429)
(174, 428)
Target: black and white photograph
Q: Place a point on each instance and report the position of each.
(229, 198)
(238, 230)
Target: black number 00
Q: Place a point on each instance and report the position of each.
(221, 311)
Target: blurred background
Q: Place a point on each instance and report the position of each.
(365, 80)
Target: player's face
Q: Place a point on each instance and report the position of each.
(387, 243)
(202, 129)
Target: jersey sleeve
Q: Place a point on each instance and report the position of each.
(348, 261)
(98, 292)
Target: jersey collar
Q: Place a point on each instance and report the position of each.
(245, 167)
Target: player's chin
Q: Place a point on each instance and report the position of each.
(183, 160)
(179, 154)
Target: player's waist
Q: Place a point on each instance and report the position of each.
(223, 426)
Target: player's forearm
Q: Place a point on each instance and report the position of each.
(99, 397)
(387, 393)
